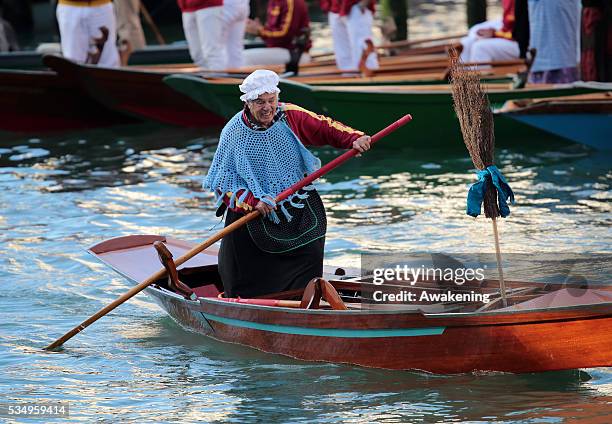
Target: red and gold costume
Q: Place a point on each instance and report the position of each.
(311, 129)
(285, 21)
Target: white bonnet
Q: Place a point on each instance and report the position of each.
(259, 82)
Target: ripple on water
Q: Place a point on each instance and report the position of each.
(137, 365)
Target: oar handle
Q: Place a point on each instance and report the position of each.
(218, 236)
(153, 278)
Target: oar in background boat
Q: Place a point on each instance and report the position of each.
(149, 20)
(476, 122)
(401, 44)
(227, 230)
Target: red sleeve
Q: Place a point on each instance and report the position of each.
(319, 130)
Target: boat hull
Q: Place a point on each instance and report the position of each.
(563, 329)
(593, 130)
(585, 119)
(137, 94)
(435, 122)
(42, 101)
(371, 108)
(512, 342)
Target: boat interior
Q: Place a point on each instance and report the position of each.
(340, 291)
(138, 257)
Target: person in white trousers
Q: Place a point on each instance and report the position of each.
(235, 15)
(203, 26)
(492, 40)
(351, 25)
(79, 24)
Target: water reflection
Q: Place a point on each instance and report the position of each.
(63, 193)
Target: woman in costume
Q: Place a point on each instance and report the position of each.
(261, 153)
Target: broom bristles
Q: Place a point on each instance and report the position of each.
(476, 121)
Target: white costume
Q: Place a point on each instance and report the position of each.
(80, 22)
(478, 49)
(203, 29)
(349, 34)
(235, 15)
(271, 56)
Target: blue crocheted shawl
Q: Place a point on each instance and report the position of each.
(260, 162)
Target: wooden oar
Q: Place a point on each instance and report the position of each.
(149, 19)
(401, 44)
(227, 230)
(408, 43)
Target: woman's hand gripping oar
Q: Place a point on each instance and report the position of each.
(218, 236)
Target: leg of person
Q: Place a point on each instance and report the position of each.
(266, 56)
(235, 15)
(190, 28)
(494, 49)
(73, 33)
(359, 25)
(129, 28)
(210, 22)
(341, 40)
(104, 16)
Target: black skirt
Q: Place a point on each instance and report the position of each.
(247, 271)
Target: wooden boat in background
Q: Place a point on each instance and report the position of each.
(584, 119)
(41, 101)
(135, 93)
(369, 107)
(149, 55)
(138, 91)
(546, 327)
(33, 60)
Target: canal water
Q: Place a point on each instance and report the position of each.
(60, 194)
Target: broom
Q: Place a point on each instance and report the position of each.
(476, 122)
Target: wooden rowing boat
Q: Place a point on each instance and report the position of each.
(33, 60)
(41, 101)
(544, 328)
(584, 118)
(138, 91)
(149, 55)
(367, 107)
(135, 93)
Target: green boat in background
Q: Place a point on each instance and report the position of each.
(369, 108)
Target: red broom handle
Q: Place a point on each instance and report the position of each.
(341, 159)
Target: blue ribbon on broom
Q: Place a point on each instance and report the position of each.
(477, 191)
